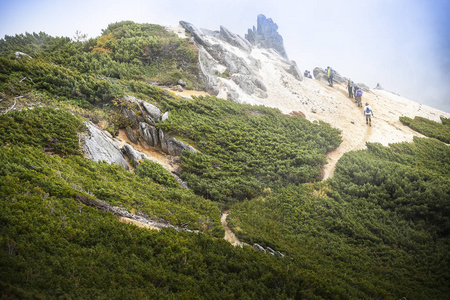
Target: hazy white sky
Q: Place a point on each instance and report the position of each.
(402, 44)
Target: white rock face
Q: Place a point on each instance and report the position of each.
(100, 146)
(261, 76)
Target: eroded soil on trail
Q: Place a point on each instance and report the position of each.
(229, 235)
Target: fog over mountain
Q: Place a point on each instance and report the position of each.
(403, 45)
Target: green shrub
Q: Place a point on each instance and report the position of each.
(429, 128)
(156, 172)
(245, 149)
(49, 129)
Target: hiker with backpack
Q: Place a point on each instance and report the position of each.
(368, 113)
(307, 74)
(350, 88)
(330, 76)
(358, 95)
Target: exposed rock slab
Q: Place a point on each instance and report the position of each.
(99, 146)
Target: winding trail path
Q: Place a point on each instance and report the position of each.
(334, 156)
(229, 235)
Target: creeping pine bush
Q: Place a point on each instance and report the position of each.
(430, 128)
(157, 173)
(46, 128)
(244, 149)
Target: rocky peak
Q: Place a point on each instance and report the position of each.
(266, 35)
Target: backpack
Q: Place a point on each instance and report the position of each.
(358, 93)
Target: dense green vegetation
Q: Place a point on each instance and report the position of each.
(125, 50)
(378, 230)
(245, 149)
(430, 128)
(54, 247)
(155, 194)
(381, 224)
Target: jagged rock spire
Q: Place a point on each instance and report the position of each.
(266, 35)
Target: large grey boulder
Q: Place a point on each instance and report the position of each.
(338, 77)
(294, 71)
(320, 74)
(378, 87)
(148, 135)
(165, 116)
(266, 35)
(130, 116)
(155, 135)
(163, 141)
(99, 146)
(235, 40)
(363, 87)
(172, 146)
(134, 156)
(145, 135)
(259, 247)
(130, 134)
(21, 54)
(176, 147)
(152, 110)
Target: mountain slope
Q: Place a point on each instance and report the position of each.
(378, 229)
(289, 92)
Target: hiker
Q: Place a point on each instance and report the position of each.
(368, 113)
(307, 74)
(358, 95)
(330, 76)
(350, 88)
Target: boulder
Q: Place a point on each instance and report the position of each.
(176, 147)
(152, 110)
(378, 87)
(145, 135)
(259, 248)
(280, 254)
(266, 35)
(338, 78)
(130, 116)
(150, 121)
(165, 116)
(271, 251)
(100, 146)
(362, 86)
(294, 71)
(130, 134)
(134, 156)
(155, 135)
(20, 54)
(172, 146)
(182, 82)
(163, 141)
(320, 74)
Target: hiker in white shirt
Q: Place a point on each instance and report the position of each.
(368, 113)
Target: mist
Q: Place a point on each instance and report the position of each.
(404, 45)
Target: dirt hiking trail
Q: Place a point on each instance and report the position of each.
(229, 235)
